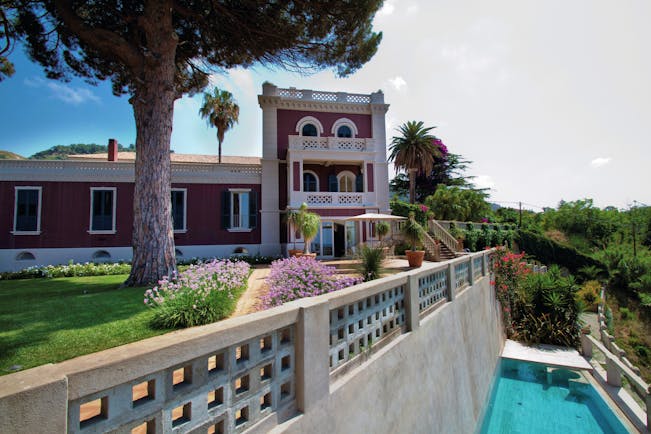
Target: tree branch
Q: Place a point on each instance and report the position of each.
(108, 43)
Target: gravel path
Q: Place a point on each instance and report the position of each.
(251, 300)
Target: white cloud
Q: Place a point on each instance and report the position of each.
(398, 83)
(412, 9)
(600, 162)
(243, 80)
(67, 94)
(484, 181)
(387, 8)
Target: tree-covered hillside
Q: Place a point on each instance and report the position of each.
(7, 155)
(61, 152)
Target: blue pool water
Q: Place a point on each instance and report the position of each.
(530, 398)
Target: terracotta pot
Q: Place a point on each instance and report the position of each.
(295, 252)
(415, 257)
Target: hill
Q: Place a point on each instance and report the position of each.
(61, 152)
(6, 155)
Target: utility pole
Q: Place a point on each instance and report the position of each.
(634, 229)
(520, 224)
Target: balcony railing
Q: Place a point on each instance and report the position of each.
(330, 143)
(328, 199)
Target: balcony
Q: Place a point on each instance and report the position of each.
(327, 199)
(303, 143)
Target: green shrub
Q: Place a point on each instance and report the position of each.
(371, 262)
(202, 294)
(626, 313)
(609, 320)
(590, 295)
(421, 212)
(549, 251)
(69, 270)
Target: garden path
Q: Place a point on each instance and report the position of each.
(251, 300)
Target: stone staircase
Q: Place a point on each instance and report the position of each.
(447, 247)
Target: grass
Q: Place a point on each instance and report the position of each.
(50, 320)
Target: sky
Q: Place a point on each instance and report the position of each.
(549, 100)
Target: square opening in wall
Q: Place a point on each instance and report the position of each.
(217, 428)
(285, 363)
(369, 302)
(242, 353)
(351, 350)
(182, 414)
(242, 384)
(93, 411)
(265, 401)
(285, 390)
(148, 427)
(360, 306)
(182, 376)
(340, 313)
(360, 324)
(340, 355)
(216, 363)
(265, 344)
(143, 392)
(351, 309)
(215, 397)
(241, 416)
(340, 333)
(285, 335)
(377, 299)
(351, 329)
(266, 372)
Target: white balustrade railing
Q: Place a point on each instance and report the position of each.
(443, 235)
(353, 144)
(317, 198)
(318, 95)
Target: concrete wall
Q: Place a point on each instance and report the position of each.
(434, 379)
(413, 352)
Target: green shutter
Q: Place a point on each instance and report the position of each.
(359, 183)
(332, 183)
(253, 209)
(226, 209)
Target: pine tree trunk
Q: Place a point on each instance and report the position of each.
(153, 107)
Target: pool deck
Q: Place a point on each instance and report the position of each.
(546, 354)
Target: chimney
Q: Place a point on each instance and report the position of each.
(112, 150)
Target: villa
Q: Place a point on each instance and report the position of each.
(323, 148)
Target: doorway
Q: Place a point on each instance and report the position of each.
(340, 240)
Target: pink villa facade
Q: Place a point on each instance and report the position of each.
(321, 148)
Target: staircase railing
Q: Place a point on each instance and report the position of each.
(446, 238)
(432, 248)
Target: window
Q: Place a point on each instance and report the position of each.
(239, 210)
(344, 131)
(179, 209)
(27, 211)
(309, 130)
(102, 210)
(346, 182)
(310, 182)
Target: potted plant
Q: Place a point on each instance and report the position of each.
(294, 220)
(382, 229)
(413, 233)
(309, 227)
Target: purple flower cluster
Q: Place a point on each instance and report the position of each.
(298, 277)
(199, 280)
(442, 147)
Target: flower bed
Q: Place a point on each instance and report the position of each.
(200, 295)
(298, 277)
(69, 270)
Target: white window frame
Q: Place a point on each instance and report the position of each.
(238, 228)
(349, 174)
(315, 177)
(309, 120)
(90, 220)
(185, 211)
(38, 217)
(347, 122)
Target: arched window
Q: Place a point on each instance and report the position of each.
(101, 255)
(310, 182)
(25, 256)
(309, 130)
(344, 127)
(344, 131)
(309, 126)
(346, 182)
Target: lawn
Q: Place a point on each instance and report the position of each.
(50, 320)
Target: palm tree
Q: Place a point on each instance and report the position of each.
(413, 151)
(220, 111)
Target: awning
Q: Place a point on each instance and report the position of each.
(374, 217)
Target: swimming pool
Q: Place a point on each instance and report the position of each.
(533, 398)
